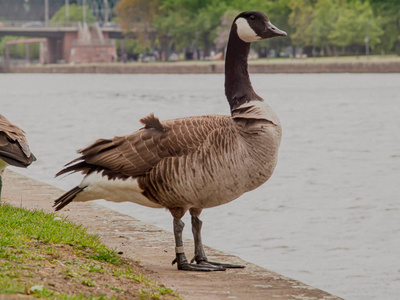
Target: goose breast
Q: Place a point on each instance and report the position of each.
(231, 160)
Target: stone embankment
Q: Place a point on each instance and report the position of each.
(217, 67)
(154, 249)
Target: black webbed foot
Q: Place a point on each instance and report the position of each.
(184, 265)
(217, 264)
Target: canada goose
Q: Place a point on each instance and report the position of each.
(190, 163)
(14, 149)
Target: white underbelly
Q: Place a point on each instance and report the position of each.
(97, 186)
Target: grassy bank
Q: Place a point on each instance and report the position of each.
(48, 257)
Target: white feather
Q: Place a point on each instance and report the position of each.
(97, 186)
(245, 32)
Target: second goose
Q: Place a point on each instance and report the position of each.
(191, 163)
(14, 149)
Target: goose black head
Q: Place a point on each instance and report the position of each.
(254, 26)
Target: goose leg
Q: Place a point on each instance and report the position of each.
(181, 259)
(2, 171)
(199, 254)
(1, 186)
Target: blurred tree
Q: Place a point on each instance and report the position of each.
(18, 50)
(102, 9)
(132, 47)
(300, 18)
(141, 17)
(355, 22)
(224, 29)
(389, 11)
(278, 11)
(325, 15)
(137, 15)
(193, 23)
(75, 15)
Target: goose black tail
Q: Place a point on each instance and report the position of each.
(67, 198)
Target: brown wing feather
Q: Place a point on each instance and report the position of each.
(14, 148)
(136, 154)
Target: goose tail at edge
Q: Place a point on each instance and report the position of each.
(67, 198)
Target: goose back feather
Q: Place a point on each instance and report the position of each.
(14, 149)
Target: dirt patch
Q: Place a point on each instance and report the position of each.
(66, 269)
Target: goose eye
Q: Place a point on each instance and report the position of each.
(252, 17)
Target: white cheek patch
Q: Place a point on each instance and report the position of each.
(245, 32)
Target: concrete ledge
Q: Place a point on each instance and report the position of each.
(217, 67)
(154, 248)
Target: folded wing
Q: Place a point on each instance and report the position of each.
(14, 148)
(137, 153)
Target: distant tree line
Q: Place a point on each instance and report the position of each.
(198, 27)
(315, 27)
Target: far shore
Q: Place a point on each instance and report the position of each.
(361, 64)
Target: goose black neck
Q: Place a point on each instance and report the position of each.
(238, 88)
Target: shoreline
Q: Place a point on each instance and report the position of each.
(154, 248)
(294, 66)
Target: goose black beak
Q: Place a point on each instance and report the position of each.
(272, 31)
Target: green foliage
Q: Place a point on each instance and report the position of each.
(194, 24)
(18, 50)
(75, 15)
(300, 18)
(191, 24)
(224, 28)
(133, 46)
(355, 22)
(389, 12)
(325, 16)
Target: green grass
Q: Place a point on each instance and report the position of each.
(49, 258)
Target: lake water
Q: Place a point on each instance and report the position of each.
(330, 214)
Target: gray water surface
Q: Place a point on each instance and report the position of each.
(329, 216)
